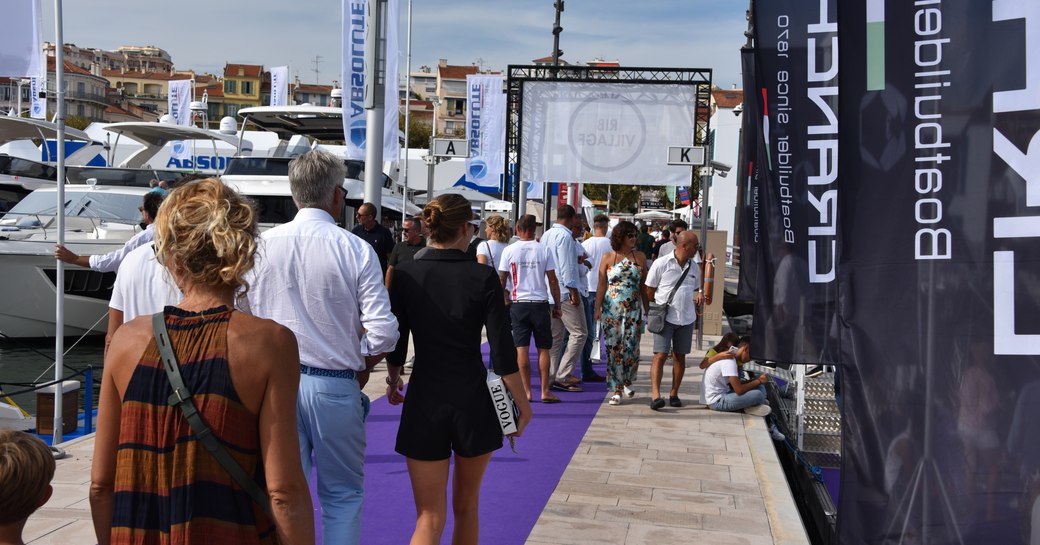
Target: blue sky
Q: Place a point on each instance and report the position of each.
(205, 34)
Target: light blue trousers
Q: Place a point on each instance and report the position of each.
(331, 414)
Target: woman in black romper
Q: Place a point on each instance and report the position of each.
(444, 299)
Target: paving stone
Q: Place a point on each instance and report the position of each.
(672, 506)
(721, 501)
(595, 489)
(656, 481)
(641, 534)
(723, 487)
(649, 515)
(754, 525)
(79, 531)
(609, 450)
(584, 475)
(612, 464)
(569, 510)
(592, 500)
(578, 532)
(684, 456)
(685, 469)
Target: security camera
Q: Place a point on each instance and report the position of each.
(721, 169)
(738, 109)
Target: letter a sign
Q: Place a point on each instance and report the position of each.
(443, 147)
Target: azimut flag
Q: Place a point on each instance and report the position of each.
(280, 86)
(939, 224)
(747, 177)
(796, 46)
(38, 97)
(20, 44)
(486, 131)
(354, 74)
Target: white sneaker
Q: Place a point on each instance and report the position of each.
(759, 410)
(615, 400)
(629, 392)
(776, 434)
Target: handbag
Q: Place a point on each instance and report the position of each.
(182, 398)
(656, 313)
(502, 403)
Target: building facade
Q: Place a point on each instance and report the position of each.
(241, 87)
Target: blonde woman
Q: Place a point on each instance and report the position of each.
(152, 480)
(498, 232)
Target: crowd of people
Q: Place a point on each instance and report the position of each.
(236, 359)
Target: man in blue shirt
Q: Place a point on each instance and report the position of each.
(559, 240)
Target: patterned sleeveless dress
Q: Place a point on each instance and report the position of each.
(622, 309)
(169, 490)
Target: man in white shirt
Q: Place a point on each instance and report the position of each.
(530, 266)
(326, 285)
(595, 248)
(559, 240)
(674, 280)
(110, 262)
(143, 287)
(723, 389)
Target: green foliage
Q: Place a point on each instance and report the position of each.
(77, 122)
(418, 132)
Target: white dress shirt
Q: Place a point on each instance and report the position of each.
(110, 262)
(143, 286)
(326, 285)
(664, 275)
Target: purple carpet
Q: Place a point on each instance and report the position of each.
(516, 486)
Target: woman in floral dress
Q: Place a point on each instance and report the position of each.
(621, 304)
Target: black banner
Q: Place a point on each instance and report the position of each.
(747, 178)
(940, 272)
(796, 63)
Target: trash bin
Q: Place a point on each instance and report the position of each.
(69, 407)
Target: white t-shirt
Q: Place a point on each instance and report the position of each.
(526, 262)
(596, 247)
(492, 249)
(663, 276)
(143, 286)
(716, 379)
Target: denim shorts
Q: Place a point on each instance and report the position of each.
(674, 338)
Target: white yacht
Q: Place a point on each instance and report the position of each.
(265, 179)
(98, 219)
(19, 175)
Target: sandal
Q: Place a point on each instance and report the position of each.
(550, 399)
(615, 399)
(565, 387)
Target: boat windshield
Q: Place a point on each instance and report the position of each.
(16, 166)
(115, 207)
(279, 166)
(132, 177)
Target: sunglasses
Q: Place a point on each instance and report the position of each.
(631, 235)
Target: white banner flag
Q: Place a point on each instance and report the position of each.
(179, 103)
(355, 24)
(20, 44)
(605, 133)
(280, 86)
(38, 105)
(486, 131)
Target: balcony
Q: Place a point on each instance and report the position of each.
(82, 95)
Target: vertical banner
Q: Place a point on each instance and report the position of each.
(280, 86)
(179, 104)
(354, 72)
(939, 266)
(20, 43)
(750, 150)
(486, 131)
(38, 97)
(796, 47)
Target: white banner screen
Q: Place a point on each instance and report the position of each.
(605, 133)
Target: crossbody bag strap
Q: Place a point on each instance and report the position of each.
(679, 283)
(491, 255)
(182, 398)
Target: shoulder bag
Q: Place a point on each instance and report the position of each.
(182, 398)
(655, 316)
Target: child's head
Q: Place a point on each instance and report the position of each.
(26, 469)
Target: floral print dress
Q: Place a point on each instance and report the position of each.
(621, 313)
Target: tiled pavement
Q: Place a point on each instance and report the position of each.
(687, 475)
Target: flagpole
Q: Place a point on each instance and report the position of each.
(407, 110)
(59, 283)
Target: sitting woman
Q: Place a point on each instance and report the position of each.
(444, 298)
(152, 480)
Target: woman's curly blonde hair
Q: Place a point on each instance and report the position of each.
(500, 227)
(207, 231)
